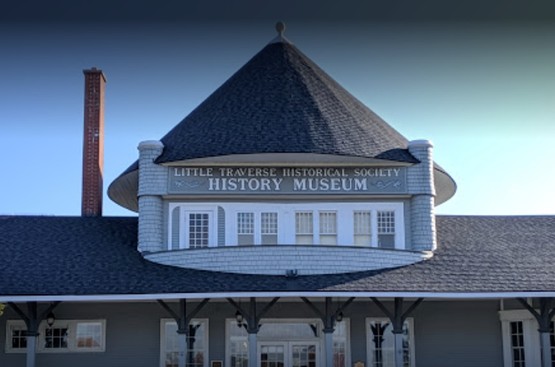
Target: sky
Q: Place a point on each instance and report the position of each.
(475, 78)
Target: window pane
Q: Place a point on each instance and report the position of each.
(198, 230)
(272, 356)
(19, 340)
(362, 228)
(517, 344)
(304, 228)
(328, 228)
(269, 228)
(386, 229)
(88, 335)
(239, 353)
(303, 355)
(245, 228)
(340, 344)
(55, 338)
(269, 223)
(288, 330)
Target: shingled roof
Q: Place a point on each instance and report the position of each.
(280, 102)
(61, 256)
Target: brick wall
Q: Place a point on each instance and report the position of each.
(93, 143)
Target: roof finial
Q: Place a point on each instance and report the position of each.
(280, 28)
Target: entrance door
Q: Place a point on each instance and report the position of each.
(288, 354)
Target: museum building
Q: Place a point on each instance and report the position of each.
(282, 223)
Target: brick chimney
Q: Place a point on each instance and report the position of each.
(93, 143)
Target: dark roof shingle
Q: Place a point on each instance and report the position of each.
(282, 102)
(98, 256)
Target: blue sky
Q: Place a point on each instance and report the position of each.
(482, 91)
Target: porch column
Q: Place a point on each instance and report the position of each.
(397, 318)
(545, 340)
(398, 345)
(182, 334)
(252, 327)
(328, 338)
(31, 333)
(329, 328)
(544, 321)
(253, 342)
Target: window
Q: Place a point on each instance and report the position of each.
(521, 341)
(56, 337)
(362, 228)
(341, 333)
(63, 336)
(325, 222)
(292, 340)
(304, 228)
(199, 230)
(15, 336)
(197, 344)
(88, 335)
(517, 344)
(380, 343)
(386, 229)
(257, 228)
(202, 225)
(245, 229)
(328, 228)
(269, 228)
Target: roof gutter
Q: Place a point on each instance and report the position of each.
(170, 296)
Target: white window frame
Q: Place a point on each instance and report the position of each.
(71, 342)
(320, 339)
(532, 348)
(206, 339)
(367, 331)
(233, 226)
(286, 220)
(184, 210)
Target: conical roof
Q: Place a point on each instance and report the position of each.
(282, 102)
(279, 102)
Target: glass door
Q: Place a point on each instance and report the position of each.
(272, 354)
(303, 354)
(288, 354)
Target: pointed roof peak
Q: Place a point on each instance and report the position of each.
(280, 28)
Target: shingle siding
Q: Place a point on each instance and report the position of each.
(277, 260)
(152, 184)
(420, 179)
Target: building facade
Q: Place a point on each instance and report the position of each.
(281, 224)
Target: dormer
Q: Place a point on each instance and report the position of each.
(282, 171)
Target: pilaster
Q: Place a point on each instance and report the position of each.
(152, 185)
(421, 187)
